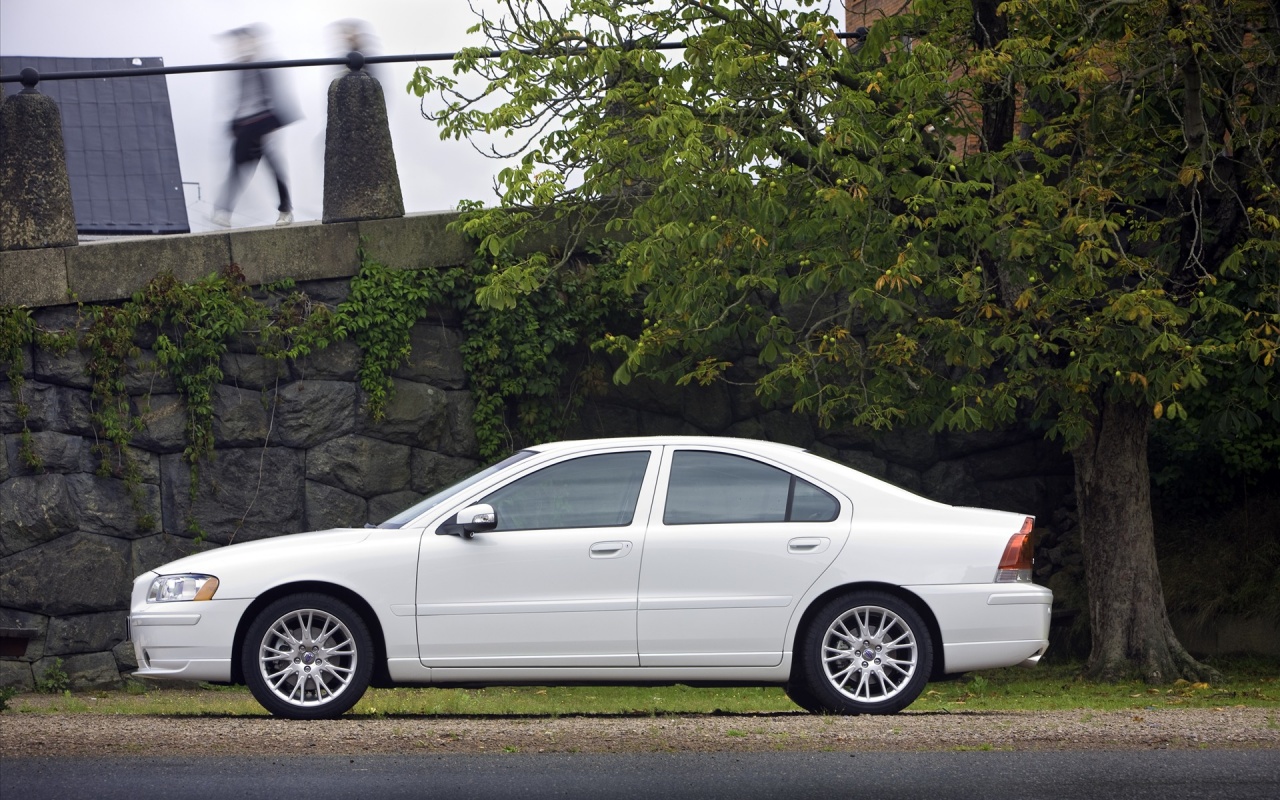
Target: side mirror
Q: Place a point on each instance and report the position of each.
(470, 521)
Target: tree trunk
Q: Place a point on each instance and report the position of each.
(1127, 615)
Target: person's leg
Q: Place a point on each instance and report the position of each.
(276, 164)
(242, 157)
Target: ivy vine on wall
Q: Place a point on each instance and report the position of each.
(528, 364)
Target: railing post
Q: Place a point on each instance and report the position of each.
(35, 193)
(360, 177)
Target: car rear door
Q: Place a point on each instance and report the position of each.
(734, 542)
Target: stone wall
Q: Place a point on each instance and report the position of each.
(295, 450)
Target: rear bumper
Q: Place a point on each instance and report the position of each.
(991, 624)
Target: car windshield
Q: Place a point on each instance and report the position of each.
(444, 494)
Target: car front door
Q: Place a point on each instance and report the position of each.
(731, 548)
(554, 584)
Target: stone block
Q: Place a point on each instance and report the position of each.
(4, 461)
(999, 463)
(73, 574)
(106, 461)
(340, 361)
(68, 369)
(33, 277)
(950, 482)
(55, 453)
(252, 371)
(126, 657)
(145, 375)
(113, 270)
(164, 423)
(12, 618)
(460, 438)
(87, 671)
(432, 471)
(310, 412)
(789, 428)
(17, 675)
(85, 633)
(657, 424)
(330, 292)
(435, 357)
(34, 509)
(360, 465)
(75, 410)
(241, 417)
(864, 462)
(417, 241)
(903, 477)
(330, 507)
(41, 400)
(242, 494)
(599, 418)
(386, 506)
(107, 506)
(304, 251)
(416, 415)
(916, 449)
(152, 551)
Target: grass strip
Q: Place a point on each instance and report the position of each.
(1248, 682)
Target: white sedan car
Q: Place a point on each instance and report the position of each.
(613, 561)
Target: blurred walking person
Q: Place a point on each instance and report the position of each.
(257, 114)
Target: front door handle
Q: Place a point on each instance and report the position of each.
(813, 544)
(610, 549)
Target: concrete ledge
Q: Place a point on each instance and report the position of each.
(114, 270)
(306, 251)
(417, 241)
(34, 277)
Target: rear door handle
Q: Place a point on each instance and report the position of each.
(610, 549)
(814, 544)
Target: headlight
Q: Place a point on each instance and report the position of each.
(169, 588)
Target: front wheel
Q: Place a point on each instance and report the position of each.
(865, 653)
(307, 656)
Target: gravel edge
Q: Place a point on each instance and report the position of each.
(25, 735)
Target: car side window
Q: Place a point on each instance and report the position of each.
(707, 487)
(588, 492)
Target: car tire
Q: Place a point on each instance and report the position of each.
(865, 652)
(307, 656)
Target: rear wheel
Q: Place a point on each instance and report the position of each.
(307, 656)
(865, 653)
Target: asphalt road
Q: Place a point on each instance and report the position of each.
(1024, 775)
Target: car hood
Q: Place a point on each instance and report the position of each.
(265, 550)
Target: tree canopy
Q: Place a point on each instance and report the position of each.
(968, 214)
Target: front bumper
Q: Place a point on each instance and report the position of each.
(184, 640)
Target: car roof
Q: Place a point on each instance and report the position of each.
(756, 445)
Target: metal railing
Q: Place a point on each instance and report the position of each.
(29, 77)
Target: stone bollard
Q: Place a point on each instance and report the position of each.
(360, 177)
(35, 193)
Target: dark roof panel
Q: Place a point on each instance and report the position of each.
(114, 128)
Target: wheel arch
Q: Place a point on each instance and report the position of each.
(381, 677)
(937, 668)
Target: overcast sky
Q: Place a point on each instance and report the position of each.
(434, 175)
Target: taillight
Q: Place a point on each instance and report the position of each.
(1015, 564)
